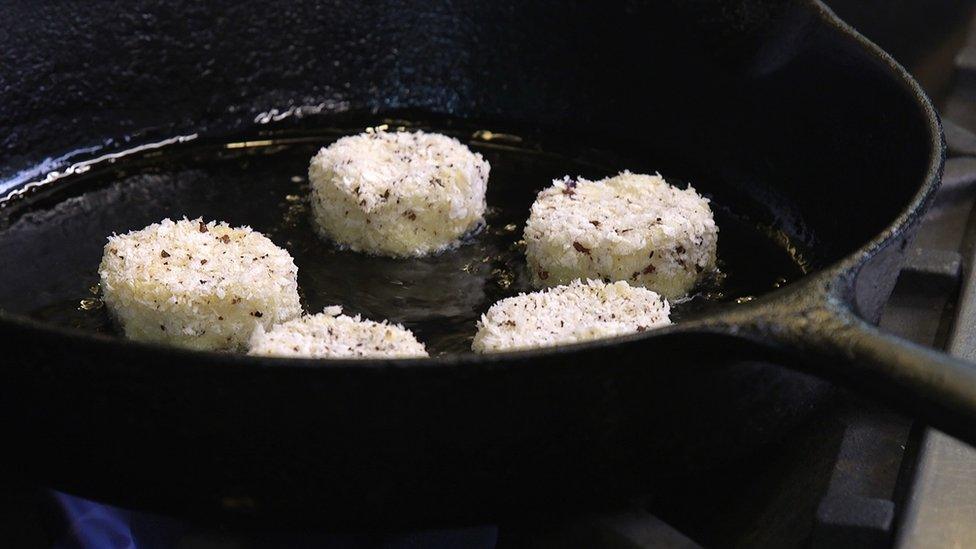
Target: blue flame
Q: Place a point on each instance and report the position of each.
(93, 525)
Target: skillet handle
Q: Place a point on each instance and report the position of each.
(936, 387)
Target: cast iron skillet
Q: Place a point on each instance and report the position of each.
(779, 101)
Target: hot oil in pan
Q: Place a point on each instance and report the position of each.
(57, 244)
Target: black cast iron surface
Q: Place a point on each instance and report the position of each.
(58, 243)
(775, 101)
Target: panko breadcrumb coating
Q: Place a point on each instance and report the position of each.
(629, 227)
(333, 335)
(578, 312)
(197, 285)
(397, 193)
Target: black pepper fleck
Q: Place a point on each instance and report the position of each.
(581, 248)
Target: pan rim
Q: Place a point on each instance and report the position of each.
(818, 287)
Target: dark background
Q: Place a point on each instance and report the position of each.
(923, 35)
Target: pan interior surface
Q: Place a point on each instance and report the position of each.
(52, 240)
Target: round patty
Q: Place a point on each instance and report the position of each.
(397, 193)
(332, 335)
(578, 312)
(197, 285)
(629, 227)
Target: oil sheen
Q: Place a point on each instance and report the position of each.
(51, 242)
